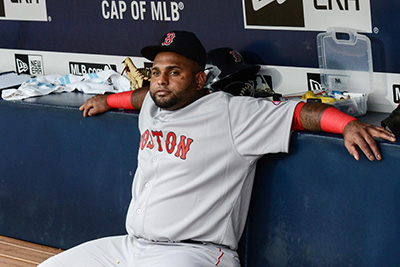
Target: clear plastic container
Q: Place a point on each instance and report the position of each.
(345, 62)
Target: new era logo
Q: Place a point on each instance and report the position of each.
(22, 67)
(315, 15)
(273, 13)
(314, 81)
(258, 4)
(29, 64)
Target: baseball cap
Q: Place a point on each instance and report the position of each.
(230, 63)
(181, 42)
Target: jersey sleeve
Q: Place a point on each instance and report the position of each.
(259, 126)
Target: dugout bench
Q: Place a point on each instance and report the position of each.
(66, 179)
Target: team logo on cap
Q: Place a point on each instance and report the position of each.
(169, 39)
(236, 56)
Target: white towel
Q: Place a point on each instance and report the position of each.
(107, 81)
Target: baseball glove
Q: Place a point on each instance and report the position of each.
(138, 77)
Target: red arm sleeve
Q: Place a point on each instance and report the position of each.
(120, 100)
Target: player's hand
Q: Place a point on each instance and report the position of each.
(95, 105)
(361, 135)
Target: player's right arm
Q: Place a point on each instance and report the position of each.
(98, 104)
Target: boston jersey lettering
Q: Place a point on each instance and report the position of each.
(172, 143)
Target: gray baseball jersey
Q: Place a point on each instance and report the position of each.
(196, 166)
(195, 173)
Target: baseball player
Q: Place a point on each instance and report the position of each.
(196, 161)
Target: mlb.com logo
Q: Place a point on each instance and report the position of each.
(314, 15)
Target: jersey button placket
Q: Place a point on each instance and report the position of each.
(147, 190)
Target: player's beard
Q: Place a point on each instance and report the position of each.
(164, 102)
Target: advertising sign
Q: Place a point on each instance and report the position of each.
(31, 10)
(311, 15)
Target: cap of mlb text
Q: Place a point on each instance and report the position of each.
(181, 42)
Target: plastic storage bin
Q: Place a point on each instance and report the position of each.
(345, 62)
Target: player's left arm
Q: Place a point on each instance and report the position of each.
(323, 117)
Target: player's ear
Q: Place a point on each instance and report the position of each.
(201, 78)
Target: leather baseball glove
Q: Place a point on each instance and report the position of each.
(138, 77)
